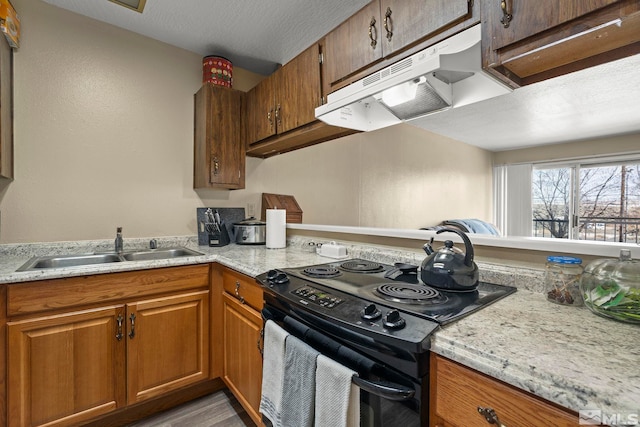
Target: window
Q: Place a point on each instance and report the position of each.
(583, 200)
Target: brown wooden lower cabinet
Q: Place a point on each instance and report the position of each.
(73, 357)
(457, 391)
(240, 332)
(66, 368)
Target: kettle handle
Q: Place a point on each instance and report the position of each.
(468, 247)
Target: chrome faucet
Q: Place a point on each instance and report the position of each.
(119, 242)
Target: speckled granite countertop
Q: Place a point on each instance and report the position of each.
(564, 354)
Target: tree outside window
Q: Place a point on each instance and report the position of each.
(587, 201)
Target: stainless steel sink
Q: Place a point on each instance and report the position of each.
(62, 261)
(160, 253)
(67, 261)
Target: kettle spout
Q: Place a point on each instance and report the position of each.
(427, 247)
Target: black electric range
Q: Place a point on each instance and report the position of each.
(379, 298)
(376, 319)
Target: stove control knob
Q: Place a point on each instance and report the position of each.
(271, 274)
(370, 312)
(281, 278)
(392, 320)
(277, 277)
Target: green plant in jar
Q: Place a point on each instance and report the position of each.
(611, 288)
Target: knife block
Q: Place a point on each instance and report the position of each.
(219, 238)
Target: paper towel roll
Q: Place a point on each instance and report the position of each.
(276, 228)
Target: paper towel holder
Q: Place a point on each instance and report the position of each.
(276, 235)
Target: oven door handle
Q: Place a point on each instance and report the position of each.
(386, 390)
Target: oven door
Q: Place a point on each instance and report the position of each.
(388, 398)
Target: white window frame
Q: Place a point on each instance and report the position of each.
(512, 186)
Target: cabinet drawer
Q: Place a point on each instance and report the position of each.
(243, 288)
(457, 392)
(59, 294)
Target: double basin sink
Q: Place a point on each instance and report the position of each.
(65, 261)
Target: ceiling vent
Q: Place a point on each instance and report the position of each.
(137, 5)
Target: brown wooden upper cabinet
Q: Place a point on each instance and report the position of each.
(286, 99)
(6, 109)
(384, 28)
(219, 158)
(528, 41)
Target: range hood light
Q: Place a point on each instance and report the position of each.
(402, 93)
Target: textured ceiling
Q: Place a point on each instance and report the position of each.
(256, 35)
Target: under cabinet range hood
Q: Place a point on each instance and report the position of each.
(446, 75)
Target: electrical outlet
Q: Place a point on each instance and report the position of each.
(251, 209)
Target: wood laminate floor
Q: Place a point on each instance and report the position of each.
(220, 409)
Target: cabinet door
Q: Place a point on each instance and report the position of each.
(526, 42)
(242, 358)
(532, 17)
(261, 110)
(167, 344)
(354, 44)
(6, 110)
(299, 90)
(65, 369)
(407, 21)
(219, 159)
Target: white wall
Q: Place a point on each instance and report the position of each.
(103, 134)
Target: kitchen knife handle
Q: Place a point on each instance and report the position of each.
(119, 321)
(373, 34)
(388, 24)
(132, 332)
(507, 12)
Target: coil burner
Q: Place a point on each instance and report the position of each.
(410, 293)
(321, 272)
(361, 266)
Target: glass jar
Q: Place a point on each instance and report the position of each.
(612, 287)
(562, 280)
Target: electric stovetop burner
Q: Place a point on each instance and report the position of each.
(361, 266)
(408, 293)
(321, 271)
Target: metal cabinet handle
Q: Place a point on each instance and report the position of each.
(132, 332)
(490, 415)
(240, 297)
(373, 34)
(261, 340)
(119, 321)
(216, 165)
(507, 12)
(388, 24)
(270, 117)
(278, 115)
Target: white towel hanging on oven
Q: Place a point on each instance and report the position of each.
(337, 398)
(273, 372)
